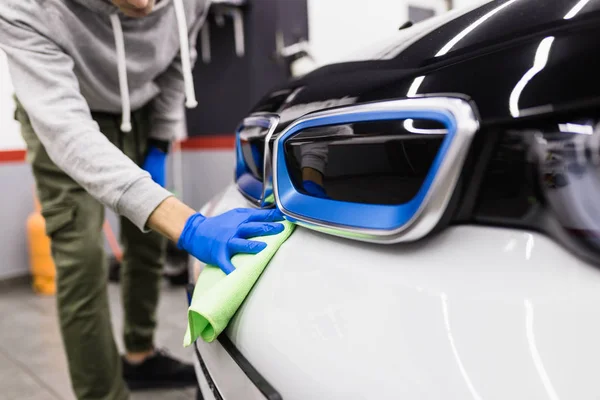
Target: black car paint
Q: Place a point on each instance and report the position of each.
(484, 65)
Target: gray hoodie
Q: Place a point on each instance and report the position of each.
(69, 57)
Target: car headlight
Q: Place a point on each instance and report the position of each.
(546, 177)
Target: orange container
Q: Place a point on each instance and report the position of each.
(41, 264)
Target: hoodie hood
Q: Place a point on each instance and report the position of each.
(106, 7)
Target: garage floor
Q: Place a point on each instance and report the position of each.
(32, 362)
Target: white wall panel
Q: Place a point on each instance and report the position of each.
(10, 137)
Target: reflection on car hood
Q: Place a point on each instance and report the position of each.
(512, 58)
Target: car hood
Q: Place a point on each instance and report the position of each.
(533, 56)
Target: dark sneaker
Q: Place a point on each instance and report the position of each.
(159, 371)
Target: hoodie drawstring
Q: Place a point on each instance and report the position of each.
(122, 67)
(184, 46)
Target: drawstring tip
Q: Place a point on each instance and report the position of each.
(191, 103)
(126, 127)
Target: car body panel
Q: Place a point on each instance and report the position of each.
(473, 312)
(220, 375)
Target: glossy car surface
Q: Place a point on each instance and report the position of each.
(499, 300)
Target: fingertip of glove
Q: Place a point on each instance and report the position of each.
(257, 247)
(227, 268)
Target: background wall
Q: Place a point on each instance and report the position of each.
(337, 28)
(16, 183)
(9, 128)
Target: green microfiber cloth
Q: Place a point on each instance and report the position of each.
(270, 199)
(217, 296)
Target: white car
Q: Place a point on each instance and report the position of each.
(447, 194)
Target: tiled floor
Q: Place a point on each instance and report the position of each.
(32, 362)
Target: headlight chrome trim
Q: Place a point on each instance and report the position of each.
(458, 114)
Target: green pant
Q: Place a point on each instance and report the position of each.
(74, 222)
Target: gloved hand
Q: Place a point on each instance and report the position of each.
(215, 240)
(155, 163)
(314, 189)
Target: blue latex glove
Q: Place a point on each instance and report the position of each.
(155, 165)
(314, 189)
(215, 240)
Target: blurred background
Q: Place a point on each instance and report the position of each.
(276, 40)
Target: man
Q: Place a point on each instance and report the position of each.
(79, 68)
